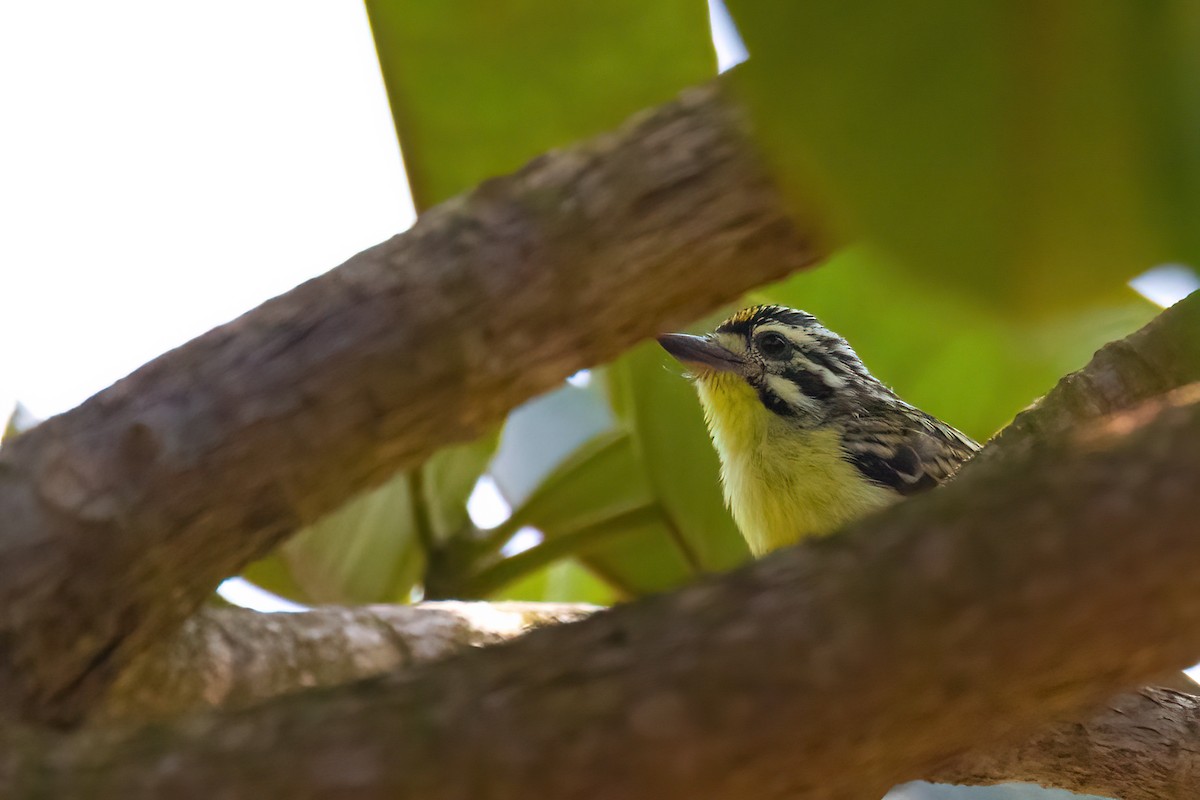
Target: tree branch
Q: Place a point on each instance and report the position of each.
(232, 657)
(123, 514)
(877, 654)
(1142, 746)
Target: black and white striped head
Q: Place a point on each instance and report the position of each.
(797, 366)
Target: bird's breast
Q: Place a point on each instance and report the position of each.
(782, 482)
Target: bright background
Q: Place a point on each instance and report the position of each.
(165, 167)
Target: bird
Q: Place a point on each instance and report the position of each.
(808, 439)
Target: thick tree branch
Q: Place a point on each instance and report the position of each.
(1144, 745)
(1140, 746)
(958, 620)
(122, 515)
(232, 657)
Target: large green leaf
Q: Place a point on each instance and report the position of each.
(597, 507)
(565, 581)
(374, 548)
(598, 480)
(364, 552)
(20, 420)
(478, 88)
(1031, 155)
(447, 480)
(660, 410)
(542, 433)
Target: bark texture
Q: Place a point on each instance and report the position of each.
(1139, 746)
(202, 460)
(233, 657)
(1144, 745)
(1031, 587)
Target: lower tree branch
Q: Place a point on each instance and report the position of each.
(1144, 745)
(1140, 746)
(232, 657)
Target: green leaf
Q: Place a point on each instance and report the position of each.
(641, 558)
(275, 575)
(543, 433)
(597, 481)
(372, 549)
(20, 420)
(478, 88)
(561, 582)
(666, 425)
(1032, 156)
(447, 480)
(597, 506)
(365, 552)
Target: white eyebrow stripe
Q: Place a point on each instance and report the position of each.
(831, 379)
(790, 393)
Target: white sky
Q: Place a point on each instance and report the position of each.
(165, 167)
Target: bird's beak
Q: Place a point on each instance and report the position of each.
(700, 351)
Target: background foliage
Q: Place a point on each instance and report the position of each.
(999, 170)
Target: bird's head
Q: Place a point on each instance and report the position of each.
(773, 361)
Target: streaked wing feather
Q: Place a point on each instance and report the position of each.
(909, 452)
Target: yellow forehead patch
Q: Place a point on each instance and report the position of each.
(745, 315)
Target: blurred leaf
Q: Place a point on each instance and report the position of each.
(275, 575)
(1030, 155)
(666, 425)
(561, 582)
(448, 478)
(370, 550)
(20, 420)
(597, 481)
(641, 558)
(539, 435)
(596, 505)
(478, 88)
(365, 552)
(945, 351)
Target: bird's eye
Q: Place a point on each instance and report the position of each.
(773, 345)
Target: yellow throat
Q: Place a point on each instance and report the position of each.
(781, 483)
